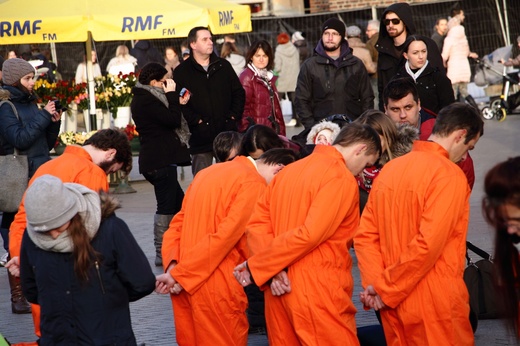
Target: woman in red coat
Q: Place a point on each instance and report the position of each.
(262, 103)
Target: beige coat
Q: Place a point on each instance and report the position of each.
(362, 53)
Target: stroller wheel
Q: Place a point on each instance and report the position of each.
(487, 113)
(496, 104)
(501, 114)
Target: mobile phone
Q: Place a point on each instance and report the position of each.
(183, 92)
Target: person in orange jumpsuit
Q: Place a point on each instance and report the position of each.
(107, 151)
(203, 245)
(411, 241)
(299, 236)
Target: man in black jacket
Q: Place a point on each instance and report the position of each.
(332, 81)
(396, 25)
(217, 97)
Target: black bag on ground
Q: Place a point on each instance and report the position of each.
(479, 279)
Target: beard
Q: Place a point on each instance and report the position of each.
(396, 32)
(331, 48)
(106, 165)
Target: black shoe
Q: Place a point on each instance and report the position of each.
(257, 330)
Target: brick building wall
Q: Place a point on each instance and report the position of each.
(317, 6)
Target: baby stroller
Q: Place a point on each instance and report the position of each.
(488, 73)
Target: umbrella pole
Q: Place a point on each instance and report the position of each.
(92, 123)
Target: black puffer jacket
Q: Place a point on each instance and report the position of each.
(156, 124)
(390, 57)
(217, 98)
(326, 87)
(433, 86)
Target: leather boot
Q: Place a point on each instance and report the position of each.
(19, 305)
(160, 225)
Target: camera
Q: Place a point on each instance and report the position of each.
(58, 106)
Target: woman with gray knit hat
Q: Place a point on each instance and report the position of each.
(81, 264)
(31, 130)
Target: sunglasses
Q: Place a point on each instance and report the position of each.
(394, 21)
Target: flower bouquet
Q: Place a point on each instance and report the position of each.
(70, 137)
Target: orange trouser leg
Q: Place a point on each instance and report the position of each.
(35, 310)
(279, 328)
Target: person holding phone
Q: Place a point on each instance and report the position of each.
(164, 137)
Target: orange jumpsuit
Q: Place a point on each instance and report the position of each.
(73, 166)
(304, 224)
(206, 238)
(410, 246)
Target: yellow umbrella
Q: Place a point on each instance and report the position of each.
(32, 21)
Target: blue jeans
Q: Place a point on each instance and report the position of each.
(168, 192)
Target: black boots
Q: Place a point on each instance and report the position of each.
(160, 225)
(19, 305)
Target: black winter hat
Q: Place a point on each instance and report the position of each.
(336, 24)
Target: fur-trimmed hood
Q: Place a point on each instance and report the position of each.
(406, 135)
(109, 204)
(322, 125)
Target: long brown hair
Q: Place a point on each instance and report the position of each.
(385, 127)
(502, 186)
(83, 253)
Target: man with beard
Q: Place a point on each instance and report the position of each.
(396, 25)
(107, 151)
(332, 81)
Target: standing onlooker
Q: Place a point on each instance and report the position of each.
(81, 70)
(1, 66)
(123, 62)
(411, 240)
(501, 206)
(262, 104)
(171, 60)
(145, 52)
(204, 243)
(433, 86)
(372, 33)
(287, 66)
(514, 99)
(81, 264)
(230, 52)
(439, 32)
(396, 25)
(299, 237)
(31, 130)
(107, 151)
(299, 41)
(332, 81)
(359, 49)
(455, 53)
(217, 97)
(158, 119)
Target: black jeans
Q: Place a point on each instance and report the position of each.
(168, 192)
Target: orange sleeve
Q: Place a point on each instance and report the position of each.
(259, 231)
(446, 200)
(201, 260)
(326, 212)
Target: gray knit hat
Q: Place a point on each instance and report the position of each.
(353, 31)
(14, 69)
(49, 204)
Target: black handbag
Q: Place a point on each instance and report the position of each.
(14, 170)
(479, 277)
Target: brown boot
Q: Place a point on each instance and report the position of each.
(19, 305)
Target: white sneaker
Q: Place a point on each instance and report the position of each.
(3, 259)
(291, 123)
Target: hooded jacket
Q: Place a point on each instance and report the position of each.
(144, 52)
(390, 58)
(97, 312)
(217, 98)
(34, 134)
(287, 66)
(326, 86)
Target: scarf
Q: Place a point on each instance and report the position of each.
(182, 132)
(90, 212)
(416, 74)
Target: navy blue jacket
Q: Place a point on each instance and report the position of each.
(94, 313)
(34, 135)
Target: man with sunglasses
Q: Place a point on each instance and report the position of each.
(396, 25)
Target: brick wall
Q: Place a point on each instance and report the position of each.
(317, 6)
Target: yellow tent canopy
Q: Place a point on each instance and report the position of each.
(31, 21)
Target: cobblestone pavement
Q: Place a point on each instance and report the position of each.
(152, 316)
